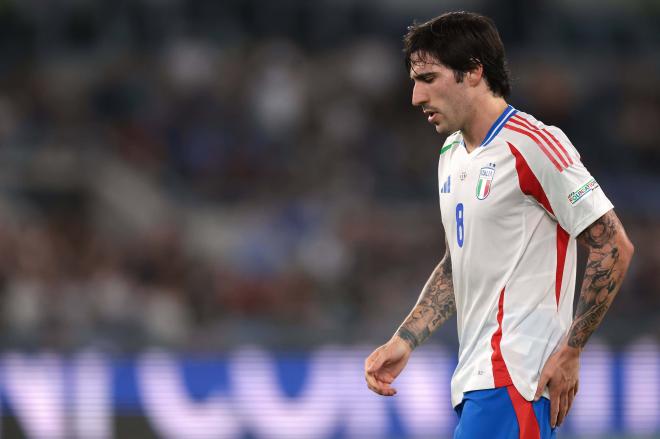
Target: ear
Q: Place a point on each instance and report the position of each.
(474, 76)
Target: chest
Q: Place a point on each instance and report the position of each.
(481, 187)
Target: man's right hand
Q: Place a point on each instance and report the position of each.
(385, 364)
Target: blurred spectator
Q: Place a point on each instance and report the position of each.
(205, 177)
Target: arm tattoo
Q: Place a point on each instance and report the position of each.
(606, 268)
(436, 304)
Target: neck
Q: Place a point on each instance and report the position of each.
(484, 116)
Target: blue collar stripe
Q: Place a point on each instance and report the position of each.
(499, 123)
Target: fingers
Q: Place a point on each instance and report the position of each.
(563, 408)
(371, 365)
(560, 404)
(554, 408)
(379, 384)
(376, 381)
(380, 387)
(571, 398)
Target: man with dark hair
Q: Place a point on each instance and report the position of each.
(514, 198)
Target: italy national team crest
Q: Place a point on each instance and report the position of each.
(485, 182)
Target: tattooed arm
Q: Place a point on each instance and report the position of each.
(435, 305)
(610, 252)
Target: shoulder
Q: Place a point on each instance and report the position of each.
(545, 145)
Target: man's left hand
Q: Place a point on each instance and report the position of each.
(560, 374)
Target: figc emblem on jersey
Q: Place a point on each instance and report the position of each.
(485, 182)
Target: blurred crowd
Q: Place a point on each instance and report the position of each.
(199, 177)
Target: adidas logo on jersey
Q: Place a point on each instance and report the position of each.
(446, 188)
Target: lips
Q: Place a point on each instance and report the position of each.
(430, 116)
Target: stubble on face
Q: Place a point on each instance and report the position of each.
(440, 90)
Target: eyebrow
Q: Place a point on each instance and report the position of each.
(423, 76)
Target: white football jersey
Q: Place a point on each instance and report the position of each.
(511, 210)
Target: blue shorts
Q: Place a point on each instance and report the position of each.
(502, 413)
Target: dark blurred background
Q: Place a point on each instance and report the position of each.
(204, 175)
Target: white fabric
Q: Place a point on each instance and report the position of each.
(510, 242)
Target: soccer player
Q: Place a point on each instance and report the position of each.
(514, 199)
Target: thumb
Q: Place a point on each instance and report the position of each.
(543, 381)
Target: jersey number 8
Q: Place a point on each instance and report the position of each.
(460, 231)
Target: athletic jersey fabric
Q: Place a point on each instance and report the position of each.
(511, 210)
(503, 413)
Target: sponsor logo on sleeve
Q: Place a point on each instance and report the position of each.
(580, 193)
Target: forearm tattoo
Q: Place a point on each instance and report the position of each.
(605, 271)
(436, 304)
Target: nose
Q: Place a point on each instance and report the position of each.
(419, 95)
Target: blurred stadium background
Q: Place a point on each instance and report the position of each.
(211, 211)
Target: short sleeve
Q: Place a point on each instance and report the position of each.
(565, 189)
(575, 197)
